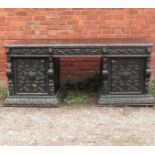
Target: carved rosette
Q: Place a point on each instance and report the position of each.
(104, 75)
(51, 76)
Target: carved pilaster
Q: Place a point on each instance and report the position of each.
(51, 76)
(147, 72)
(104, 71)
(9, 73)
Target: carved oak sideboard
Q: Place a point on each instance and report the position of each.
(33, 70)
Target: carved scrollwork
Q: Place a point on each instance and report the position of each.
(77, 51)
(50, 70)
(125, 51)
(105, 73)
(57, 51)
(80, 51)
(30, 51)
(9, 69)
(104, 50)
(50, 51)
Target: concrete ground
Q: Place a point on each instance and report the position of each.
(82, 124)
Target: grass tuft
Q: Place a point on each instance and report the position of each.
(3, 93)
(74, 97)
(152, 87)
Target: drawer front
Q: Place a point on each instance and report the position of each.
(125, 51)
(30, 75)
(126, 75)
(77, 51)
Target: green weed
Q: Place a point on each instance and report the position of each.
(3, 93)
(80, 91)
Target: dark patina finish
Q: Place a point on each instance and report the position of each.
(33, 70)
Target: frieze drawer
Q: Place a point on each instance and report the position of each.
(126, 51)
(77, 51)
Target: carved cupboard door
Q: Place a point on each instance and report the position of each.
(126, 75)
(31, 76)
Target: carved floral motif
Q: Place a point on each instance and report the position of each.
(30, 51)
(125, 51)
(77, 51)
(31, 76)
(126, 75)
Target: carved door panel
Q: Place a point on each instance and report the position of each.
(126, 75)
(31, 75)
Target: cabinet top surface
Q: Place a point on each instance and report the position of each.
(79, 42)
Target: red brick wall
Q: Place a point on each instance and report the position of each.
(20, 24)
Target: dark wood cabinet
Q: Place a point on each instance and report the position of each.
(33, 71)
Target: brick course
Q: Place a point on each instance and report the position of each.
(21, 24)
